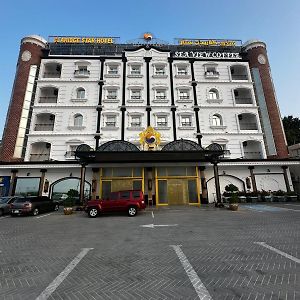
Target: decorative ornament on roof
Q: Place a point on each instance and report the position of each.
(149, 139)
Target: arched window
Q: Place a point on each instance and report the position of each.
(80, 93)
(213, 94)
(78, 120)
(216, 120)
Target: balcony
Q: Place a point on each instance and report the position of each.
(52, 71)
(211, 74)
(239, 73)
(252, 150)
(248, 122)
(44, 122)
(82, 73)
(40, 151)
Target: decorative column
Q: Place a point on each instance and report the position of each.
(82, 182)
(94, 182)
(123, 106)
(286, 178)
(43, 174)
(204, 193)
(217, 183)
(173, 107)
(148, 107)
(12, 182)
(253, 181)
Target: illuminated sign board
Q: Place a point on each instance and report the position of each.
(207, 55)
(213, 42)
(82, 40)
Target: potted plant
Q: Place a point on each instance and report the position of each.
(226, 197)
(252, 197)
(291, 196)
(266, 196)
(278, 196)
(233, 202)
(69, 202)
(242, 197)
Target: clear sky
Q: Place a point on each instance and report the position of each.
(274, 22)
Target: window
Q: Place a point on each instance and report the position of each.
(186, 121)
(110, 121)
(160, 94)
(78, 120)
(80, 93)
(135, 121)
(213, 94)
(71, 152)
(216, 120)
(182, 70)
(135, 70)
(112, 70)
(159, 70)
(184, 94)
(162, 121)
(112, 94)
(82, 71)
(135, 94)
(211, 71)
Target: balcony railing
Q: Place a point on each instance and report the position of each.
(161, 97)
(211, 74)
(112, 72)
(48, 99)
(135, 124)
(162, 123)
(182, 73)
(160, 73)
(252, 154)
(243, 100)
(136, 97)
(186, 124)
(239, 77)
(135, 72)
(82, 73)
(39, 157)
(184, 97)
(110, 124)
(248, 126)
(52, 75)
(112, 97)
(70, 154)
(44, 127)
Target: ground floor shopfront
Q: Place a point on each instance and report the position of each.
(181, 183)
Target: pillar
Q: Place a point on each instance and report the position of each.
(217, 183)
(43, 174)
(12, 182)
(95, 182)
(204, 194)
(253, 181)
(82, 181)
(286, 178)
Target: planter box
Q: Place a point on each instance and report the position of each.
(278, 198)
(267, 198)
(234, 207)
(292, 198)
(242, 199)
(252, 199)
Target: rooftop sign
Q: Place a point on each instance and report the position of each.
(209, 42)
(82, 40)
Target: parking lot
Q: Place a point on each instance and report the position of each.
(165, 253)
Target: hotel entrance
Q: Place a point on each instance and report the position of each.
(177, 186)
(120, 179)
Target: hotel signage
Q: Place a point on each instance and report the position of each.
(207, 55)
(204, 42)
(82, 40)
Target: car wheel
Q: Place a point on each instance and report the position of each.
(35, 212)
(132, 211)
(93, 212)
(56, 207)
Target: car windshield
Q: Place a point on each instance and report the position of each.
(4, 199)
(20, 200)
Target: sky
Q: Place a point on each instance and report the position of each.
(274, 22)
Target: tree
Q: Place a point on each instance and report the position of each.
(292, 129)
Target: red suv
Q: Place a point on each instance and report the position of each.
(130, 201)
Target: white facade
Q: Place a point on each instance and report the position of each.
(228, 113)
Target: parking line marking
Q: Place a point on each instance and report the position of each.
(152, 214)
(43, 216)
(293, 258)
(61, 277)
(199, 287)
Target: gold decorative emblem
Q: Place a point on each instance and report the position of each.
(149, 138)
(148, 36)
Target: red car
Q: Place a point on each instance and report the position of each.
(130, 201)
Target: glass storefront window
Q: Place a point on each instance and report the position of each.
(163, 191)
(192, 188)
(27, 186)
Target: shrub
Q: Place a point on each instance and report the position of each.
(234, 198)
(231, 188)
